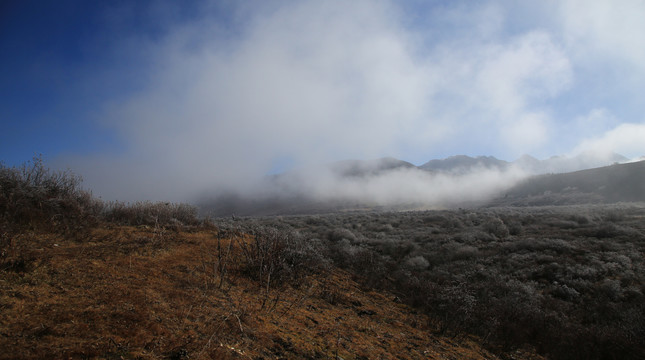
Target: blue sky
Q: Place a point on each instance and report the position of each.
(142, 98)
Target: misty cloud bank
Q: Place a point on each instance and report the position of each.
(241, 91)
(403, 186)
(391, 184)
(326, 190)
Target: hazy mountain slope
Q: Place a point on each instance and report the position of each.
(463, 163)
(615, 183)
(460, 164)
(362, 168)
(562, 164)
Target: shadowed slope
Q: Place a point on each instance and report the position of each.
(615, 183)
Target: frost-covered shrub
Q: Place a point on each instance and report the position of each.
(150, 213)
(339, 234)
(564, 224)
(417, 263)
(465, 252)
(607, 230)
(496, 226)
(581, 219)
(515, 227)
(611, 289)
(553, 284)
(565, 293)
(613, 215)
(274, 255)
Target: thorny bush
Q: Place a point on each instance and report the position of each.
(273, 256)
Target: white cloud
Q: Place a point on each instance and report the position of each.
(527, 132)
(499, 91)
(318, 81)
(313, 80)
(606, 29)
(625, 139)
(528, 68)
(597, 121)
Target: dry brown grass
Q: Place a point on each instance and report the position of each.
(135, 293)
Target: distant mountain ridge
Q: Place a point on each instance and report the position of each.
(460, 164)
(464, 164)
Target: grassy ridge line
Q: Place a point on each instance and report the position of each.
(33, 197)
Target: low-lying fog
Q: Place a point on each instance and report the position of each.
(404, 185)
(389, 183)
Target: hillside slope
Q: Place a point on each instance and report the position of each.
(464, 164)
(609, 184)
(149, 293)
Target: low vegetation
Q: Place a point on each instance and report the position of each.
(83, 278)
(33, 197)
(566, 281)
(80, 278)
